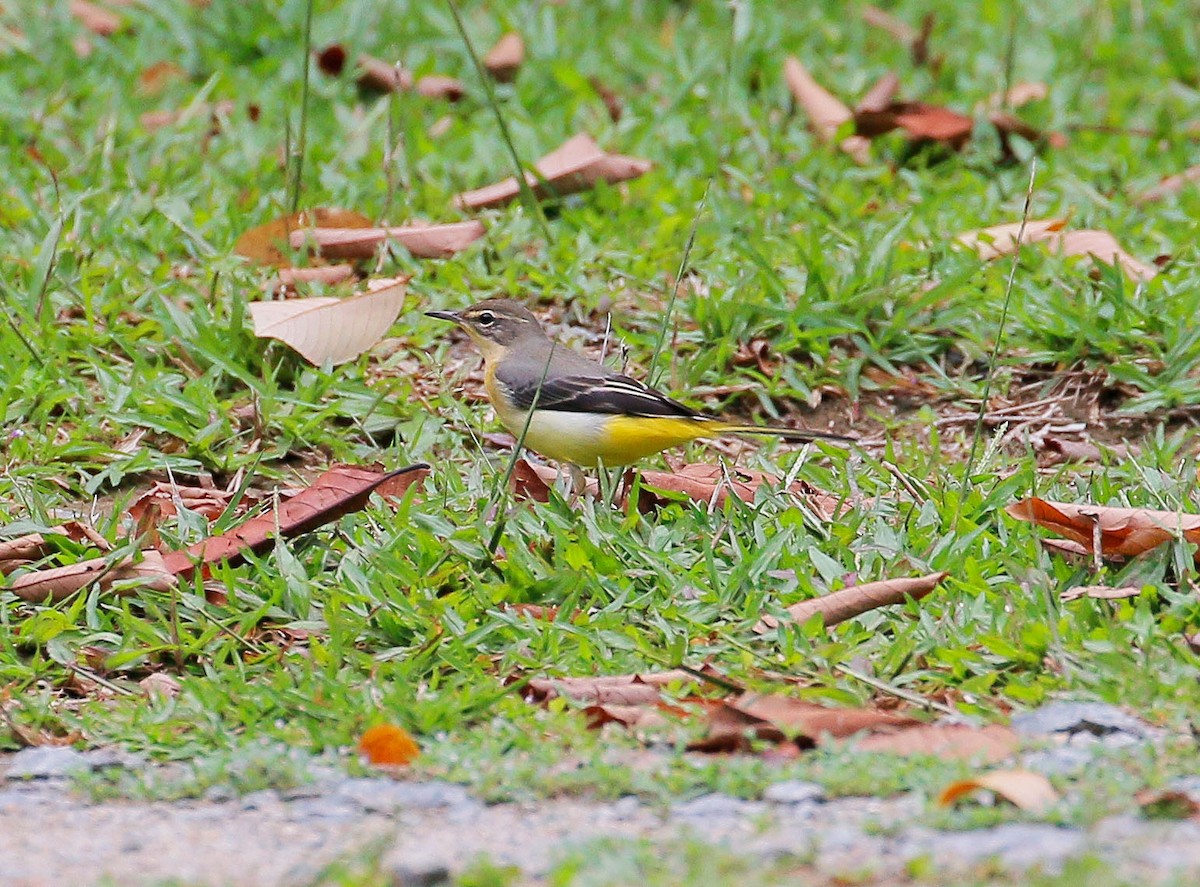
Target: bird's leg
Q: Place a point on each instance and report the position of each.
(578, 482)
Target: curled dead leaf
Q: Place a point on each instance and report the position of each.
(1100, 592)
(422, 241)
(1170, 185)
(332, 59)
(856, 600)
(148, 571)
(326, 328)
(386, 745)
(505, 58)
(437, 86)
(339, 491)
(956, 742)
(327, 274)
(158, 76)
(1023, 788)
(1126, 532)
(17, 552)
(826, 113)
(1001, 240)
(159, 686)
(376, 75)
(266, 243)
(576, 165)
(97, 19)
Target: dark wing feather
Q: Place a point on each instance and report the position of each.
(611, 394)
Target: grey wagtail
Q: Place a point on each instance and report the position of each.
(583, 412)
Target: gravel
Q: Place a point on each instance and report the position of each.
(432, 830)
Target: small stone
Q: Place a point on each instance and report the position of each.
(419, 869)
(625, 808)
(1094, 718)
(219, 794)
(1016, 844)
(1063, 760)
(794, 791)
(46, 762)
(389, 796)
(714, 806)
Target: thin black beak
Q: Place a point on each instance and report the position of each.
(451, 316)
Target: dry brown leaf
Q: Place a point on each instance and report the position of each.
(1127, 532)
(1022, 788)
(629, 689)
(957, 742)
(159, 686)
(437, 86)
(18, 552)
(340, 490)
(1170, 185)
(881, 94)
(154, 79)
(327, 274)
(1168, 803)
(96, 19)
(59, 583)
(266, 243)
(332, 59)
(576, 165)
(1103, 246)
(153, 120)
(1100, 592)
(1021, 93)
(388, 746)
(734, 722)
(885, 21)
(423, 241)
(857, 599)
(825, 111)
(631, 717)
(1008, 124)
(505, 58)
(1061, 449)
(376, 75)
(165, 497)
(1001, 240)
(326, 328)
(920, 122)
(612, 101)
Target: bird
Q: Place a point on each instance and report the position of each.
(583, 413)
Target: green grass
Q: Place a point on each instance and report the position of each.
(125, 311)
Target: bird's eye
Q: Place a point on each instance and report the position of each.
(486, 318)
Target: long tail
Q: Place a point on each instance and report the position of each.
(793, 435)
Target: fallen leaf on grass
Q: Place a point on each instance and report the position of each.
(612, 101)
(159, 686)
(388, 745)
(1100, 592)
(1021, 93)
(150, 570)
(856, 600)
(341, 490)
(699, 482)
(376, 75)
(322, 328)
(1170, 185)
(266, 243)
(96, 19)
(734, 723)
(826, 112)
(920, 122)
(1062, 449)
(157, 77)
(1167, 803)
(879, 96)
(438, 86)
(332, 59)
(958, 742)
(1022, 788)
(1001, 240)
(16, 553)
(327, 274)
(917, 41)
(627, 689)
(167, 498)
(576, 165)
(153, 120)
(423, 241)
(1127, 532)
(504, 59)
